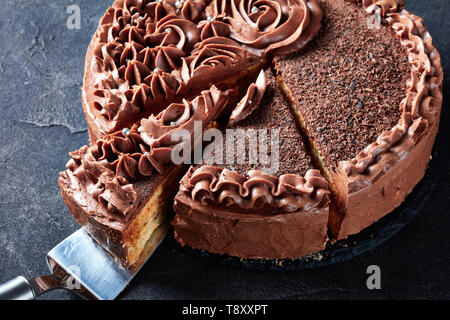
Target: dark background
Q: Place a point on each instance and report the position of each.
(41, 120)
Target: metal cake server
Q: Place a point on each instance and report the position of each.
(81, 265)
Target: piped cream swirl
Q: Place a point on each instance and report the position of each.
(109, 168)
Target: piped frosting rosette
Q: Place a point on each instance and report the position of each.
(281, 26)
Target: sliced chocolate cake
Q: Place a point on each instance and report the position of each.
(336, 142)
(147, 54)
(121, 188)
(255, 208)
(368, 98)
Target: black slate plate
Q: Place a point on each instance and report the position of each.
(342, 250)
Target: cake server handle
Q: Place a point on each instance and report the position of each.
(16, 289)
(22, 289)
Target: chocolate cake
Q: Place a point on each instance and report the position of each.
(356, 102)
(121, 188)
(252, 210)
(369, 102)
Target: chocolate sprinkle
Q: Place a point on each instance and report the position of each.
(375, 82)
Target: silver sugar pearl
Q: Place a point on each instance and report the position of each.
(210, 18)
(172, 123)
(126, 132)
(156, 70)
(167, 30)
(254, 10)
(147, 154)
(179, 4)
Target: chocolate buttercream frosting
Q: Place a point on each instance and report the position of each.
(109, 168)
(256, 192)
(419, 114)
(421, 105)
(147, 54)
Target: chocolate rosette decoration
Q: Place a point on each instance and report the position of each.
(131, 154)
(158, 9)
(192, 10)
(148, 54)
(212, 27)
(282, 26)
(159, 131)
(386, 6)
(133, 6)
(157, 87)
(175, 31)
(209, 55)
(125, 154)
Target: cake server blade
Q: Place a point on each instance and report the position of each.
(79, 264)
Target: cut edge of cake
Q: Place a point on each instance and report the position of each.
(251, 214)
(126, 166)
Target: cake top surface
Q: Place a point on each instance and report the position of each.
(276, 173)
(274, 129)
(350, 82)
(148, 54)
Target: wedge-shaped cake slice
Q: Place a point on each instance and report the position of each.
(368, 98)
(121, 188)
(250, 205)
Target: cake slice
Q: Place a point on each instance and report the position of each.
(121, 188)
(255, 209)
(368, 99)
